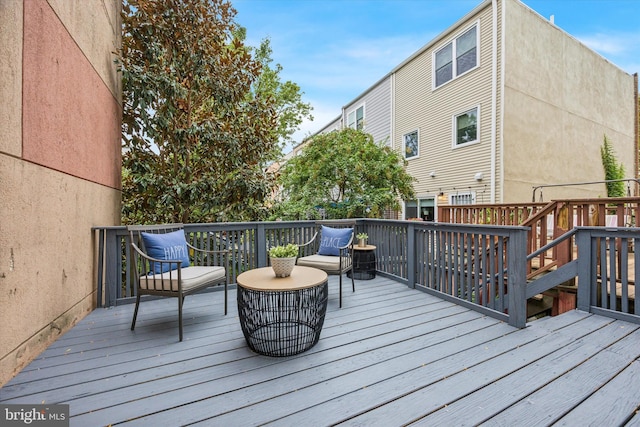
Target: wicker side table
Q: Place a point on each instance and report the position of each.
(364, 263)
(282, 316)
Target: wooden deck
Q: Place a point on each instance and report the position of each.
(391, 356)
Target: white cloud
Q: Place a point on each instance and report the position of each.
(606, 44)
(323, 114)
(622, 49)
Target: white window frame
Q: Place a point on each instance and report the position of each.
(454, 68)
(454, 142)
(354, 124)
(468, 198)
(418, 201)
(404, 144)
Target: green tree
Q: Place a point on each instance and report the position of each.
(287, 96)
(200, 123)
(612, 170)
(345, 173)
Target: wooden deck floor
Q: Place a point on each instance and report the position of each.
(391, 356)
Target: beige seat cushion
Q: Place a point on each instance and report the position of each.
(328, 263)
(192, 277)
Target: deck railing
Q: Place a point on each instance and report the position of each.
(246, 243)
(548, 221)
(607, 261)
(482, 267)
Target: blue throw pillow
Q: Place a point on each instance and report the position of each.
(171, 246)
(332, 239)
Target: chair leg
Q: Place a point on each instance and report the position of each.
(180, 302)
(353, 283)
(135, 313)
(226, 302)
(340, 275)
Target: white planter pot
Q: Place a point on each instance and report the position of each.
(283, 267)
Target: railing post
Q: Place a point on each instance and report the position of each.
(411, 255)
(261, 243)
(517, 278)
(113, 276)
(100, 265)
(585, 281)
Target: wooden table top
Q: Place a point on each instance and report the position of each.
(364, 248)
(264, 279)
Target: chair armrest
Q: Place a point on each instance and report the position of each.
(304, 245)
(209, 251)
(349, 243)
(309, 242)
(223, 253)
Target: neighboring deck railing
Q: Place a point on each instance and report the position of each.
(482, 267)
(547, 222)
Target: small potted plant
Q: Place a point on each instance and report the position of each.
(283, 259)
(362, 239)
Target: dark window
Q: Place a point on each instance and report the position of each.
(465, 50)
(411, 147)
(467, 127)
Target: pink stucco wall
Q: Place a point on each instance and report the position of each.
(69, 116)
(60, 117)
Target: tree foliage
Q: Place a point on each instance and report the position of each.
(346, 174)
(612, 170)
(203, 114)
(290, 109)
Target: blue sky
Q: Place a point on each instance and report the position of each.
(336, 49)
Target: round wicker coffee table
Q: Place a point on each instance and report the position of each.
(282, 316)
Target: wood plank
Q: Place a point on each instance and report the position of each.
(488, 401)
(607, 406)
(428, 387)
(548, 404)
(221, 380)
(133, 356)
(319, 385)
(635, 421)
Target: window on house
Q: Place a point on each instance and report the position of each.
(355, 119)
(423, 209)
(411, 146)
(410, 209)
(462, 199)
(465, 51)
(444, 65)
(466, 127)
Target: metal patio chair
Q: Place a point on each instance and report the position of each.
(162, 265)
(334, 250)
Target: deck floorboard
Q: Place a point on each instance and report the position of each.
(391, 356)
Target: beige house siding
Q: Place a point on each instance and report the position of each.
(377, 101)
(498, 171)
(560, 99)
(419, 106)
